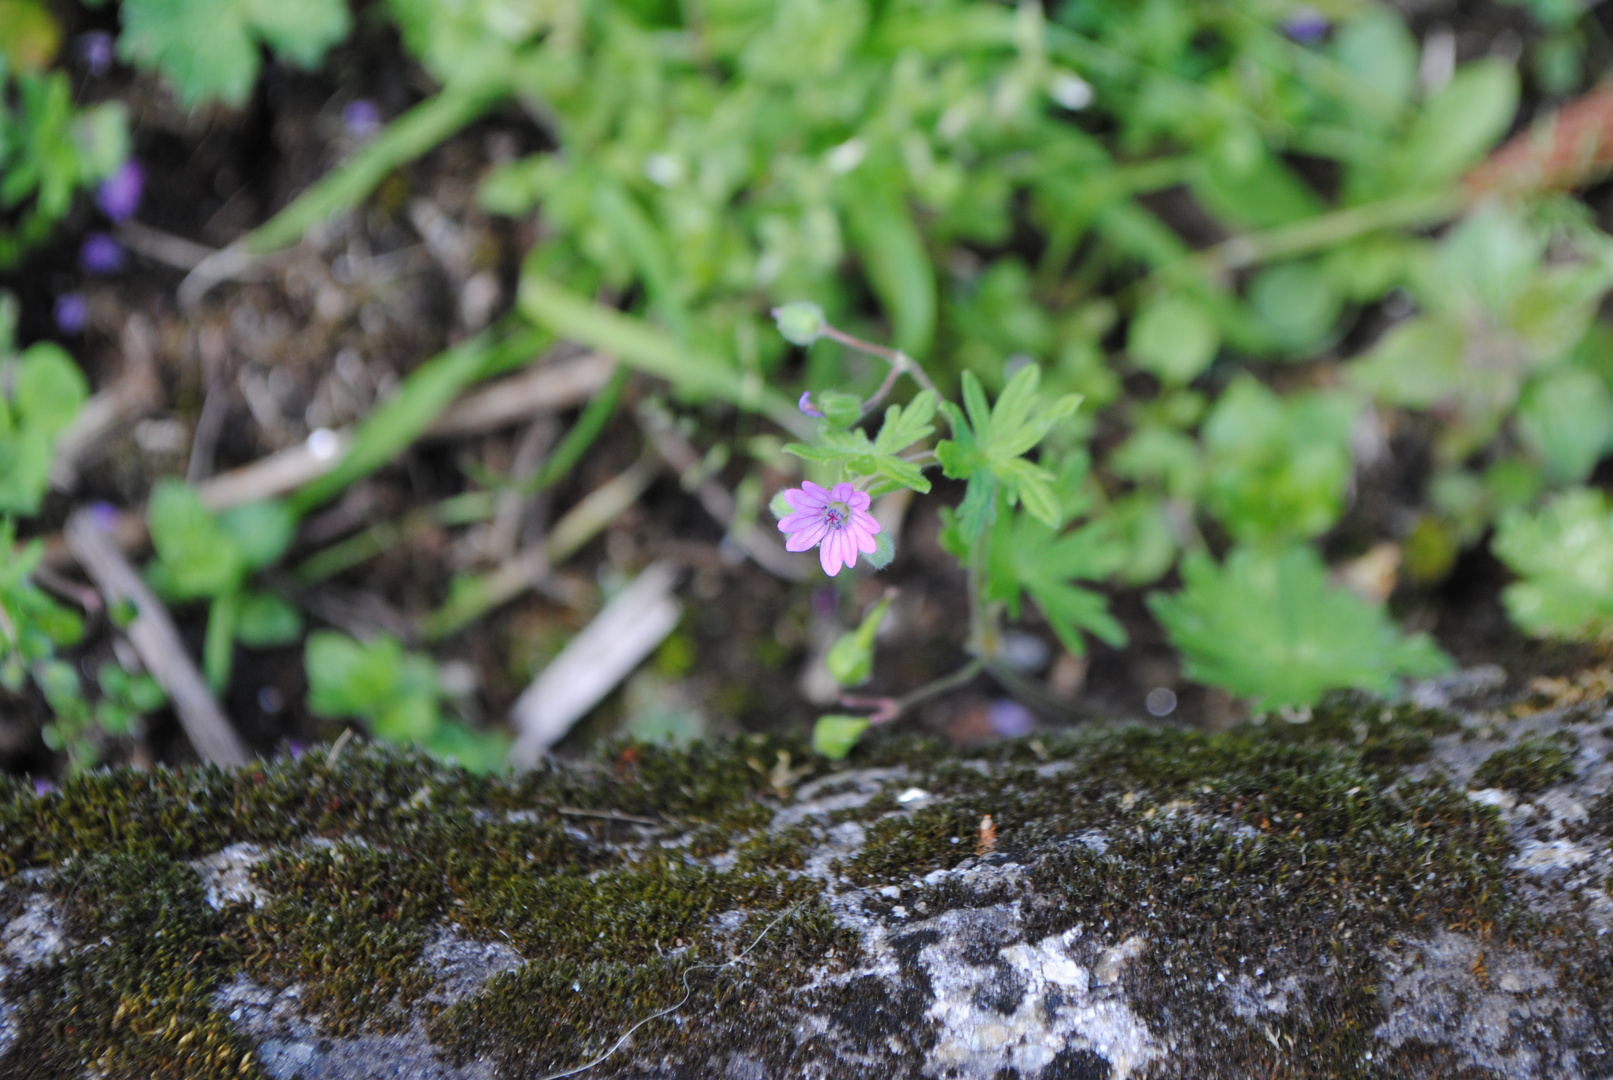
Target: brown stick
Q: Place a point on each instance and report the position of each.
(157, 641)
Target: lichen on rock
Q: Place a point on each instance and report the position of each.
(1344, 897)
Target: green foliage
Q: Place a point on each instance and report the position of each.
(853, 452)
(203, 556)
(834, 735)
(46, 392)
(1267, 624)
(49, 151)
(397, 695)
(208, 49)
(1028, 557)
(987, 448)
(851, 658)
(1563, 555)
(1277, 467)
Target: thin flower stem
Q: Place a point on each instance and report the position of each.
(888, 709)
(900, 362)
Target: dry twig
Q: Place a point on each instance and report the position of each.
(157, 641)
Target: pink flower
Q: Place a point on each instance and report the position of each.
(836, 522)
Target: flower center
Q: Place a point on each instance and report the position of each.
(836, 514)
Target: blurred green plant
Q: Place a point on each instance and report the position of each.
(1022, 196)
(208, 49)
(203, 556)
(50, 149)
(44, 392)
(397, 694)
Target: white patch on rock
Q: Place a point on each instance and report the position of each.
(1535, 857)
(227, 876)
(1253, 998)
(35, 935)
(1022, 1011)
(462, 965)
(1433, 994)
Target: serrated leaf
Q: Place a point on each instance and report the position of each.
(1029, 557)
(208, 49)
(1566, 418)
(1564, 556)
(987, 442)
(905, 426)
(1418, 363)
(1268, 625)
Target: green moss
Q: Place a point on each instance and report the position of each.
(1304, 839)
(1530, 765)
(348, 922)
(138, 1005)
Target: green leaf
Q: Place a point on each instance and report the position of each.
(1297, 303)
(1564, 557)
(196, 556)
(851, 658)
(267, 620)
(218, 647)
(261, 530)
(1418, 363)
(1455, 129)
(49, 389)
(208, 49)
(474, 751)
(1379, 51)
(1277, 468)
(860, 456)
(834, 735)
(396, 692)
(893, 255)
(1566, 418)
(986, 445)
(1267, 625)
(1174, 338)
(1028, 557)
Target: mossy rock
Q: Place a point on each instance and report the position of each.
(1330, 899)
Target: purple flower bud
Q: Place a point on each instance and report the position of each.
(119, 194)
(101, 254)
(95, 51)
(72, 313)
(1010, 719)
(1306, 26)
(805, 404)
(361, 118)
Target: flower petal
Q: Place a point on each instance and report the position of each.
(859, 500)
(799, 520)
(843, 492)
(807, 537)
(829, 555)
(862, 519)
(811, 496)
(863, 539)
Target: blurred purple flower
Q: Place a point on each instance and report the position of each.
(101, 254)
(119, 194)
(835, 522)
(805, 404)
(95, 50)
(361, 118)
(43, 787)
(1306, 26)
(104, 515)
(1010, 719)
(72, 313)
